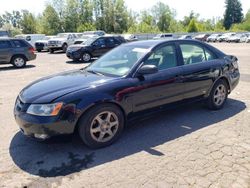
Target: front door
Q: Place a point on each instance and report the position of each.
(163, 87)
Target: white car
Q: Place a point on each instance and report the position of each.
(41, 45)
(164, 36)
(61, 42)
(245, 37)
(213, 37)
(130, 37)
(224, 37)
(31, 38)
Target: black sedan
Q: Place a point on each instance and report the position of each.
(93, 47)
(129, 81)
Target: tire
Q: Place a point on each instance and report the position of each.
(39, 50)
(19, 61)
(51, 51)
(96, 131)
(218, 95)
(64, 47)
(86, 57)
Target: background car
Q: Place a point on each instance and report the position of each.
(245, 37)
(98, 32)
(202, 37)
(213, 37)
(16, 52)
(224, 37)
(42, 45)
(168, 36)
(93, 47)
(61, 42)
(235, 38)
(186, 37)
(134, 79)
(31, 38)
(130, 37)
(4, 33)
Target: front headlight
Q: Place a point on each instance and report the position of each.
(45, 109)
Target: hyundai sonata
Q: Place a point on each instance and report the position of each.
(137, 77)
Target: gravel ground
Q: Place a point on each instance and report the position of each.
(186, 147)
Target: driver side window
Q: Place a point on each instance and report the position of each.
(163, 58)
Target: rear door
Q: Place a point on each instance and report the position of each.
(5, 51)
(200, 67)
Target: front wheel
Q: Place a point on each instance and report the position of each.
(64, 47)
(101, 126)
(218, 95)
(86, 57)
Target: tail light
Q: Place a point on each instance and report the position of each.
(32, 50)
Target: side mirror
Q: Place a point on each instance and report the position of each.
(147, 69)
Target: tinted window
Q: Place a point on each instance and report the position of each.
(5, 44)
(110, 41)
(19, 43)
(192, 54)
(100, 42)
(163, 58)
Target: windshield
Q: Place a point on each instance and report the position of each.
(62, 35)
(89, 41)
(119, 61)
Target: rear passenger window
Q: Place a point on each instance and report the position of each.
(195, 54)
(19, 43)
(192, 54)
(5, 44)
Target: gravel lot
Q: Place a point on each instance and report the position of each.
(186, 147)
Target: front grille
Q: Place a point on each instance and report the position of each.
(52, 42)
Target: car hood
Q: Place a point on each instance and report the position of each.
(77, 46)
(58, 39)
(48, 89)
(42, 41)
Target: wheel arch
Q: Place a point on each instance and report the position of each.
(108, 102)
(225, 79)
(19, 55)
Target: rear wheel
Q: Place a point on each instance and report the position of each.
(64, 47)
(218, 95)
(19, 61)
(101, 126)
(51, 51)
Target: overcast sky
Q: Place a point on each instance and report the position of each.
(206, 9)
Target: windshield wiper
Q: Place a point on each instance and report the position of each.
(94, 72)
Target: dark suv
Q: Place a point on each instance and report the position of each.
(16, 52)
(93, 47)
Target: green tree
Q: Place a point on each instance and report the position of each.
(192, 27)
(233, 13)
(28, 22)
(71, 19)
(86, 27)
(162, 16)
(50, 21)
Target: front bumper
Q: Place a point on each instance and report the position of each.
(73, 54)
(42, 127)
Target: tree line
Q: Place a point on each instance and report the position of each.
(113, 16)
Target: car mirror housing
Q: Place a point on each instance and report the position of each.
(147, 69)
